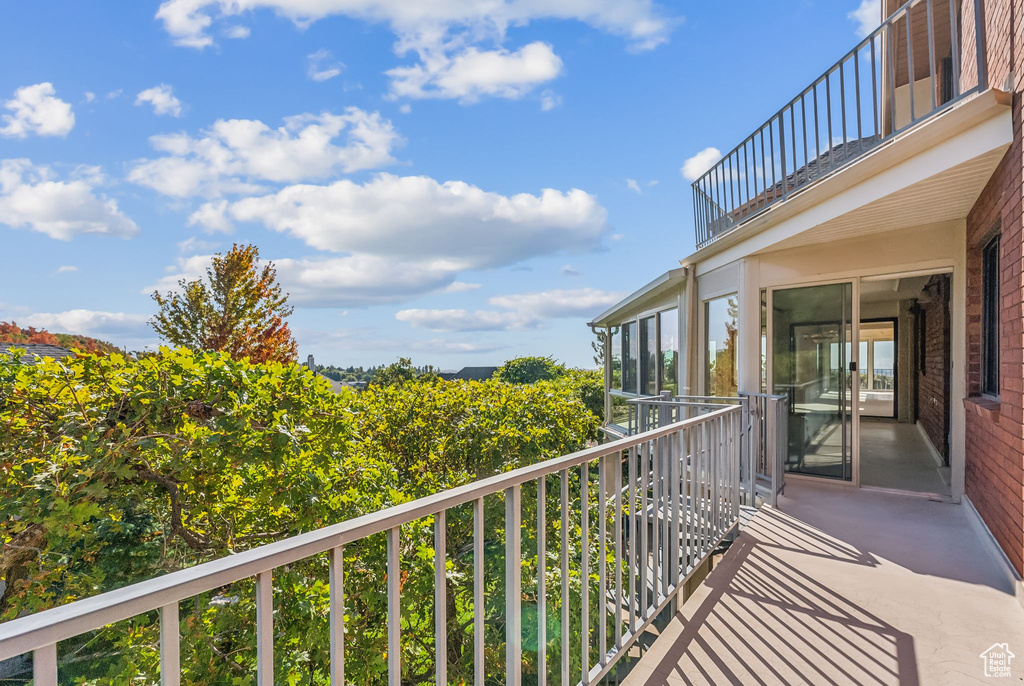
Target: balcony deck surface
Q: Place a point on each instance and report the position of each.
(844, 586)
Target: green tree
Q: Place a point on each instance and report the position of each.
(530, 370)
(115, 470)
(239, 309)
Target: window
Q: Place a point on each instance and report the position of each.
(668, 321)
(990, 318)
(648, 356)
(616, 357)
(630, 352)
(722, 359)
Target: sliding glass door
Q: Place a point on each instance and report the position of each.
(811, 335)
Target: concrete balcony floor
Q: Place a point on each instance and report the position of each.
(844, 586)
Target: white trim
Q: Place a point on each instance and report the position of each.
(932, 450)
(997, 553)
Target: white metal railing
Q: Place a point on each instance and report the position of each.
(764, 433)
(665, 499)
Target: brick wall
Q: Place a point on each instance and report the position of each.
(995, 431)
(933, 375)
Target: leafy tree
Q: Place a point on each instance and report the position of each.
(530, 370)
(10, 332)
(115, 470)
(239, 309)
(597, 346)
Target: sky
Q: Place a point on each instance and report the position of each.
(460, 182)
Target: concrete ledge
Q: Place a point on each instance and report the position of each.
(994, 548)
(983, 407)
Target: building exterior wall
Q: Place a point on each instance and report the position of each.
(994, 479)
(933, 370)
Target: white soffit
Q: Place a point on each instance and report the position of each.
(945, 196)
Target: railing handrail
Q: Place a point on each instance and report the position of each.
(41, 629)
(704, 185)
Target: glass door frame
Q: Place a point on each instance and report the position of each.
(854, 438)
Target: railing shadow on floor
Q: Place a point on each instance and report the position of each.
(764, 621)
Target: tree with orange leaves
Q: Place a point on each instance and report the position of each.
(239, 309)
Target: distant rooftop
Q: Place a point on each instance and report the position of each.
(37, 350)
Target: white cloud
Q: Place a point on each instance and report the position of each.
(31, 196)
(161, 98)
(66, 269)
(402, 237)
(235, 154)
(640, 21)
(868, 16)
(193, 245)
(36, 109)
(89, 96)
(115, 326)
(461, 287)
(237, 32)
(549, 100)
(115, 94)
(694, 167)
(632, 185)
(352, 281)
(521, 312)
(462, 320)
(368, 339)
(405, 108)
(559, 303)
(473, 73)
(323, 66)
(212, 217)
(418, 218)
(569, 270)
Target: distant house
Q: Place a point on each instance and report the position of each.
(35, 351)
(474, 373)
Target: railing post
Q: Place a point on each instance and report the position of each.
(265, 629)
(44, 666)
(170, 660)
(513, 588)
(337, 602)
(394, 609)
(440, 600)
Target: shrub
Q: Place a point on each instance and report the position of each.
(114, 471)
(530, 370)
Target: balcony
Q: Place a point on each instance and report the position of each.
(626, 526)
(920, 62)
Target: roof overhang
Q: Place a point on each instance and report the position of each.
(931, 173)
(668, 281)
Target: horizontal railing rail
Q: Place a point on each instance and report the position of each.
(763, 433)
(661, 502)
(896, 77)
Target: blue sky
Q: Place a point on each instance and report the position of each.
(459, 182)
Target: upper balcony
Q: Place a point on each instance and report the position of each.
(922, 60)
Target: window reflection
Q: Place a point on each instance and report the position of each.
(669, 374)
(630, 352)
(722, 360)
(648, 356)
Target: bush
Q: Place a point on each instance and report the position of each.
(114, 471)
(530, 370)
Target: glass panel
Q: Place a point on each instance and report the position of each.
(630, 352)
(616, 356)
(648, 356)
(811, 331)
(722, 360)
(764, 340)
(878, 368)
(620, 411)
(669, 322)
